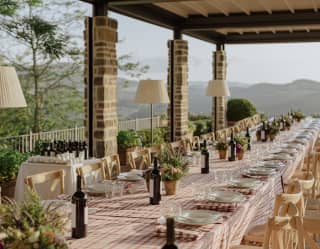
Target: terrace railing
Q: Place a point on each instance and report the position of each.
(27, 143)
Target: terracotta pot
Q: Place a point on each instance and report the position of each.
(7, 189)
(272, 137)
(240, 155)
(258, 134)
(222, 154)
(171, 187)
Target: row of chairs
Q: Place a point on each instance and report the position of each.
(300, 203)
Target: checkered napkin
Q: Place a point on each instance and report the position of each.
(218, 206)
(244, 191)
(180, 233)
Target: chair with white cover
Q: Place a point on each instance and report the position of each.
(92, 173)
(282, 205)
(48, 185)
(112, 166)
(139, 159)
(280, 233)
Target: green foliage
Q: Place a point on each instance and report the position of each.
(191, 127)
(241, 142)
(221, 145)
(298, 115)
(128, 139)
(10, 162)
(173, 168)
(8, 7)
(316, 115)
(159, 136)
(240, 109)
(195, 117)
(202, 127)
(274, 129)
(31, 225)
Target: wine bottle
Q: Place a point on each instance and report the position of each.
(170, 235)
(232, 148)
(79, 212)
(282, 123)
(263, 132)
(204, 158)
(52, 152)
(155, 184)
(44, 149)
(248, 136)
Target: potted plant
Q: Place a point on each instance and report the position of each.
(172, 170)
(222, 148)
(241, 145)
(298, 116)
(258, 135)
(128, 141)
(287, 122)
(31, 224)
(10, 161)
(273, 131)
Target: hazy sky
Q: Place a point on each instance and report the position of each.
(276, 63)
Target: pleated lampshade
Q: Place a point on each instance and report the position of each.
(11, 94)
(217, 88)
(151, 92)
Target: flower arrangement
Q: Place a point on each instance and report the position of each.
(241, 143)
(173, 168)
(298, 116)
(221, 145)
(31, 225)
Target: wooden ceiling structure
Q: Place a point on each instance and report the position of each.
(226, 21)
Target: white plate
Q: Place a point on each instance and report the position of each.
(278, 157)
(129, 177)
(244, 183)
(97, 188)
(271, 164)
(198, 217)
(225, 196)
(261, 171)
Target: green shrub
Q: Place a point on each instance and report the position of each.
(195, 117)
(10, 162)
(202, 127)
(128, 139)
(239, 109)
(159, 136)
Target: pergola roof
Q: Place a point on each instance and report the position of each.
(228, 21)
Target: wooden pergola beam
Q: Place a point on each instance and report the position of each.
(256, 20)
(138, 2)
(278, 37)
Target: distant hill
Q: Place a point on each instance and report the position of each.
(270, 98)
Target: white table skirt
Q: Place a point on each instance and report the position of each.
(28, 169)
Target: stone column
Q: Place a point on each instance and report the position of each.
(101, 72)
(178, 77)
(219, 73)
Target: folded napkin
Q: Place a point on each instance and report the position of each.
(218, 206)
(244, 191)
(180, 233)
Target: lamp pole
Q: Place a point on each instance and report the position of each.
(215, 116)
(151, 124)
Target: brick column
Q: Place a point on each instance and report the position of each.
(101, 72)
(178, 76)
(219, 73)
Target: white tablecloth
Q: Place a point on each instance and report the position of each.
(28, 169)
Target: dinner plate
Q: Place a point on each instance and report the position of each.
(225, 196)
(278, 157)
(244, 183)
(98, 188)
(293, 146)
(198, 217)
(129, 177)
(271, 164)
(261, 171)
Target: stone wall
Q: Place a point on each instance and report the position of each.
(219, 73)
(104, 76)
(180, 78)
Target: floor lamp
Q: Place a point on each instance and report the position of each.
(217, 88)
(151, 92)
(11, 95)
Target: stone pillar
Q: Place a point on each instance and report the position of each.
(178, 94)
(219, 73)
(101, 77)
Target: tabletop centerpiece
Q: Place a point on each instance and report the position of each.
(172, 170)
(273, 131)
(31, 224)
(241, 145)
(222, 147)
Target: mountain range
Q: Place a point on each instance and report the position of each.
(302, 94)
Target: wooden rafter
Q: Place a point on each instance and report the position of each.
(199, 9)
(217, 5)
(289, 6)
(238, 4)
(315, 6)
(177, 10)
(138, 2)
(265, 6)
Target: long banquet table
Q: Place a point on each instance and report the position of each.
(129, 222)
